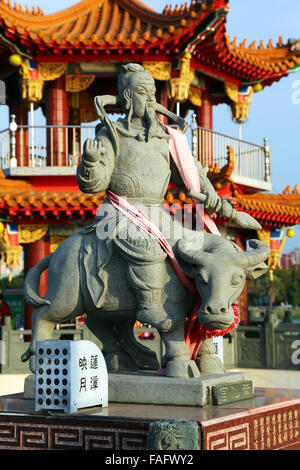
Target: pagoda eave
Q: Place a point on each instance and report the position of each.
(50, 215)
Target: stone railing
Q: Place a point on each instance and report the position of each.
(13, 343)
(269, 345)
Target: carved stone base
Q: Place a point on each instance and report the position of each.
(149, 388)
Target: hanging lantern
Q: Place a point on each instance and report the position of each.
(15, 60)
(290, 233)
(258, 87)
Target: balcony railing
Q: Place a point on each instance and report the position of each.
(251, 161)
(41, 147)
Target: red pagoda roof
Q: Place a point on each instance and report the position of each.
(122, 30)
(102, 24)
(24, 203)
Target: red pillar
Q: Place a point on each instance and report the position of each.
(20, 111)
(205, 138)
(243, 298)
(33, 253)
(205, 111)
(57, 115)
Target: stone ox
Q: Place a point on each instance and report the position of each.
(219, 269)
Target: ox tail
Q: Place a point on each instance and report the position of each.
(32, 281)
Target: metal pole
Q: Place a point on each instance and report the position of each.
(240, 131)
(32, 132)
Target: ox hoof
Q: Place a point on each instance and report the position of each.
(186, 369)
(210, 365)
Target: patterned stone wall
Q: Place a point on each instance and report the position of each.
(37, 433)
(270, 427)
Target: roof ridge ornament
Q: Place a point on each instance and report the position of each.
(18, 8)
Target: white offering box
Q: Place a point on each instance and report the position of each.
(69, 375)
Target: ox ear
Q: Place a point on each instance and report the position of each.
(256, 271)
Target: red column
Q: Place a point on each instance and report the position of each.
(57, 115)
(33, 253)
(205, 111)
(205, 138)
(20, 111)
(243, 298)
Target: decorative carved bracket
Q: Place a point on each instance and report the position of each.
(274, 257)
(9, 255)
(31, 233)
(159, 70)
(195, 96)
(239, 101)
(12, 256)
(32, 86)
(76, 82)
(180, 86)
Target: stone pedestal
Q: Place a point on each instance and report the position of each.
(268, 421)
(149, 388)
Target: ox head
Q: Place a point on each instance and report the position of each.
(220, 275)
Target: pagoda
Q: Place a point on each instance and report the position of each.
(59, 62)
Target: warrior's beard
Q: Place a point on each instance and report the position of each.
(151, 122)
(150, 119)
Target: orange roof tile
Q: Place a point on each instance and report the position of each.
(280, 204)
(99, 22)
(115, 26)
(20, 199)
(272, 58)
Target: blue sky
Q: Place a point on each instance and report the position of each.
(272, 113)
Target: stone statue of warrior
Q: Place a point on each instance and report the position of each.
(123, 273)
(130, 158)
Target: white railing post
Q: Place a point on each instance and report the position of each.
(267, 151)
(12, 134)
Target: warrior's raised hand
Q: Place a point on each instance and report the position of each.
(92, 151)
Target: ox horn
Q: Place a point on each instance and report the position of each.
(190, 252)
(259, 254)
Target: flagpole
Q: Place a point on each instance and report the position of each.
(32, 132)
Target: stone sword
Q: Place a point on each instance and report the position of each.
(225, 209)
